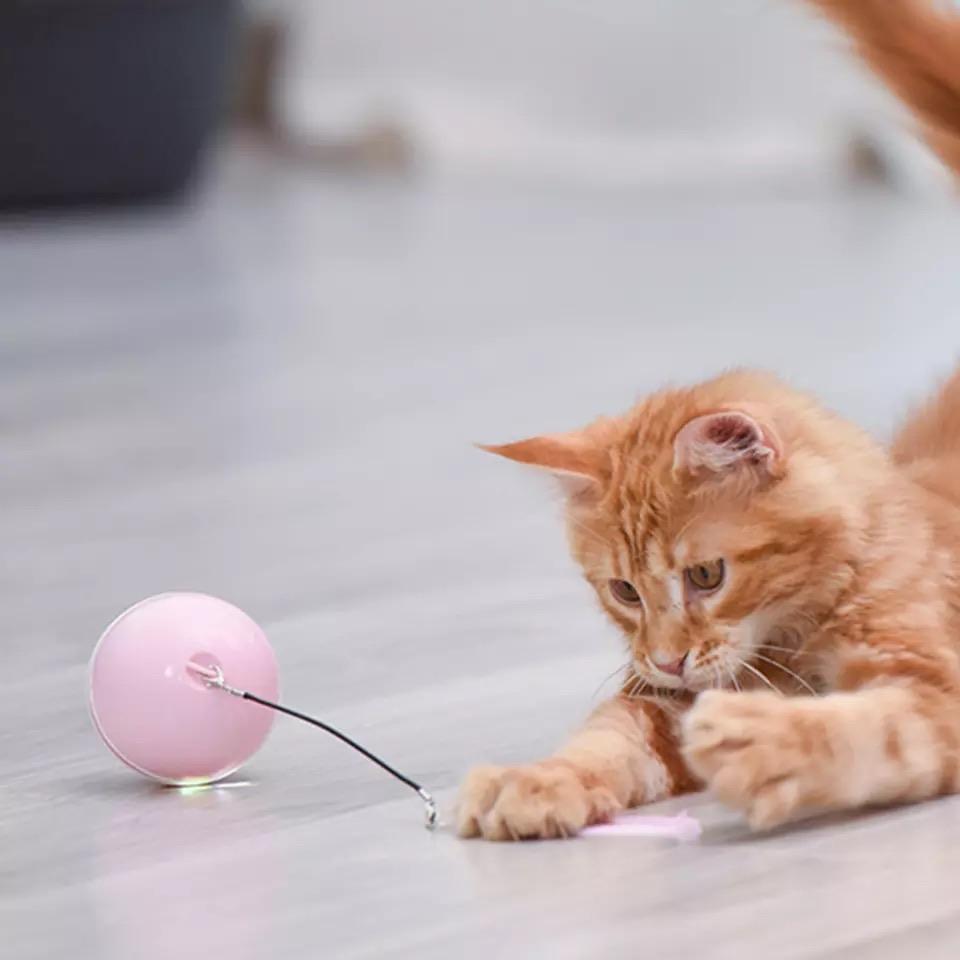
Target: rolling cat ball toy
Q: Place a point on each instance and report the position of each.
(179, 684)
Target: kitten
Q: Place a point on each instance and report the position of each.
(790, 595)
(790, 592)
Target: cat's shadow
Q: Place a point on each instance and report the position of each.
(735, 834)
(732, 834)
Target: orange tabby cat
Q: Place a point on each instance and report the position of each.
(790, 592)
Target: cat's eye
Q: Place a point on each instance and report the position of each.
(625, 592)
(706, 576)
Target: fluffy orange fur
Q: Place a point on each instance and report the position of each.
(792, 609)
(914, 47)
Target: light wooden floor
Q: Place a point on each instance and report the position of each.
(271, 396)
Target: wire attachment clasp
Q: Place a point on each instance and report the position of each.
(429, 809)
(213, 677)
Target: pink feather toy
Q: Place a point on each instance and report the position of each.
(680, 827)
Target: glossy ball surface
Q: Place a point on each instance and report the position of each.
(157, 715)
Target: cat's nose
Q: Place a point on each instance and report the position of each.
(673, 667)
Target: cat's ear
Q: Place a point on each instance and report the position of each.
(573, 458)
(727, 442)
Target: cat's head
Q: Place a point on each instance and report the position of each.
(712, 522)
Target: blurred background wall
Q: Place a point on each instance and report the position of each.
(116, 97)
(610, 91)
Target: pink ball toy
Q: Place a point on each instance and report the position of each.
(156, 713)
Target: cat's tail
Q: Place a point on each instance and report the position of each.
(914, 47)
(933, 431)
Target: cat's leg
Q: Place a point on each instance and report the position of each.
(627, 753)
(891, 734)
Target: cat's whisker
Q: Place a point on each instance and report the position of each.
(623, 668)
(787, 670)
(761, 677)
(716, 676)
(679, 535)
(636, 687)
(808, 620)
(587, 532)
(561, 502)
(791, 650)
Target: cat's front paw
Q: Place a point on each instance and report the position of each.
(759, 753)
(540, 801)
